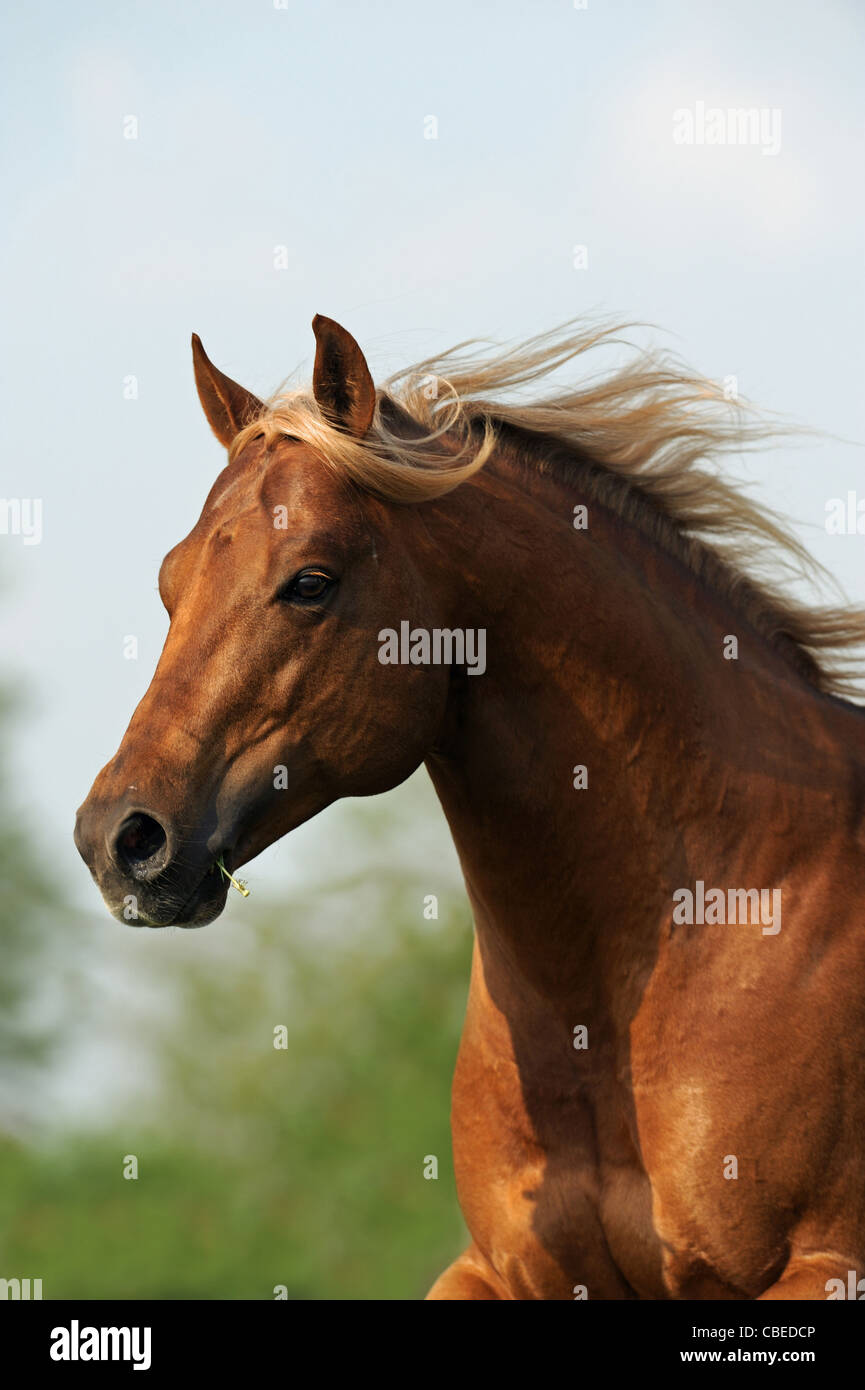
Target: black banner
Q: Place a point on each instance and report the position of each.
(81, 1339)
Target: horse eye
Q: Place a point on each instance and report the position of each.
(308, 586)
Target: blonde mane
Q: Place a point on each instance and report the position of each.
(644, 440)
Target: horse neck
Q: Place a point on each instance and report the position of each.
(605, 652)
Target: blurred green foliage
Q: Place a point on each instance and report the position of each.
(29, 1007)
(259, 1166)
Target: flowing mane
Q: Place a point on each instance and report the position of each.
(644, 440)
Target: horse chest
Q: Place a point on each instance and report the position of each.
(557, 1198)
(556, 1215)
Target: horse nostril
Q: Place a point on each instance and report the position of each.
(141, 845)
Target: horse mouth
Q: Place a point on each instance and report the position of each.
(206, 901)
(200, 907)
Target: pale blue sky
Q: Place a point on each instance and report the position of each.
(304, 127)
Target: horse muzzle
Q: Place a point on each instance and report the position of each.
(147, 873)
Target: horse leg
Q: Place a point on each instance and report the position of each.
(469, 1277)
(806, 1277)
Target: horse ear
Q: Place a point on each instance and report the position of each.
(228, 407)
(341, 380)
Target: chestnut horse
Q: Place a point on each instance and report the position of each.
(654, 782)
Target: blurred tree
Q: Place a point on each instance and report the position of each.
(29, 905)
(322, 1062)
